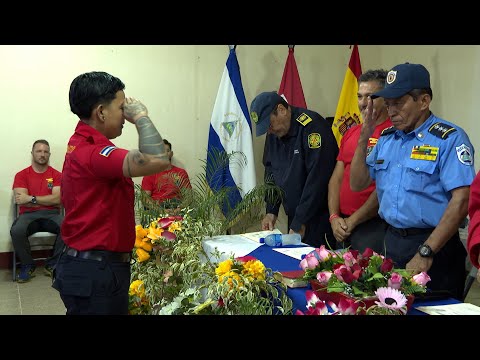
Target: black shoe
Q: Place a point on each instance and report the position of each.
(48, 270)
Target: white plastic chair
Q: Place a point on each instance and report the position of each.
(41, 240)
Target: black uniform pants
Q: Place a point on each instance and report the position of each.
(448, 269)
(93, 287)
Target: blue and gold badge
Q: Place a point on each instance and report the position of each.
(314, 141)
(424, 152)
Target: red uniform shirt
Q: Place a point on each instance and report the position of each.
(37, 184)
(98, 198)
(351, 201)
(473, 239)
(163, 185)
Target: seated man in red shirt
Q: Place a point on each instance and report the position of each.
(166, 184)
(37, 192)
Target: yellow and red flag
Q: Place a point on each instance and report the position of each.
(291, 86)
(348, 113)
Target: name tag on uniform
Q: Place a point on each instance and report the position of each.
(424, 152)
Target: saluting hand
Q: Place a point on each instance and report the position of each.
(369, 116)
(133, 110)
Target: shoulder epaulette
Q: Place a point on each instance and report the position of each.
(441, 130)
(388, 130)
(304, 119)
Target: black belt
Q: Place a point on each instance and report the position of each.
(99, 255)
(410, 231)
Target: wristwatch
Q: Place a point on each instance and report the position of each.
(34, 200)
(425, 251)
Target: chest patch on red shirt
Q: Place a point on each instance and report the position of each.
(107, 150)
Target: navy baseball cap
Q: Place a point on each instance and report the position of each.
(261, 108)
(402, 79)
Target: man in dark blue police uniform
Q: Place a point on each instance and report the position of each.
(299, 157)
(423, 168)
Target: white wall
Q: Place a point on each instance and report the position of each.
(179, 83)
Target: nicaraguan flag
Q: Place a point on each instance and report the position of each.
(231, 131)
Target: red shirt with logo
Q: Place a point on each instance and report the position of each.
(166, 184)
(98, 198)
(37, 184)
(351, 201)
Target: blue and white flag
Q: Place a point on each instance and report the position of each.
(231, 131)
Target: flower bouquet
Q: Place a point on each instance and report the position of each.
(368, 280)
(173, 275)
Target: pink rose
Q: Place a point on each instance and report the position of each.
(322, 253)
(309, 261)
(395, 281)
(349, 258)
(422, 278)
(323, 277)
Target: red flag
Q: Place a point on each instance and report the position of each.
(348, 113)
(291, 86)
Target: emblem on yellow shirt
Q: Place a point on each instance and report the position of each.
(314, 141)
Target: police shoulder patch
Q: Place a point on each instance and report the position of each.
(304, 119)
(464, 154)
(107, 150)
(389, 130)
(441, 130)
(314, 140)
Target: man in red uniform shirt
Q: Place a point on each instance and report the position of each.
(473, 239)
(93, 273)
(354, 215)
(166, 185)
(37, 191)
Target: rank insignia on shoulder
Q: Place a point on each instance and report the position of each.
(304, 119)
(314, 140)
(379, 161)
(388, 130)
(441, 130)
(107, 150)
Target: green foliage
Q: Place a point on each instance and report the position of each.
(205, 205)
(179, 277)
